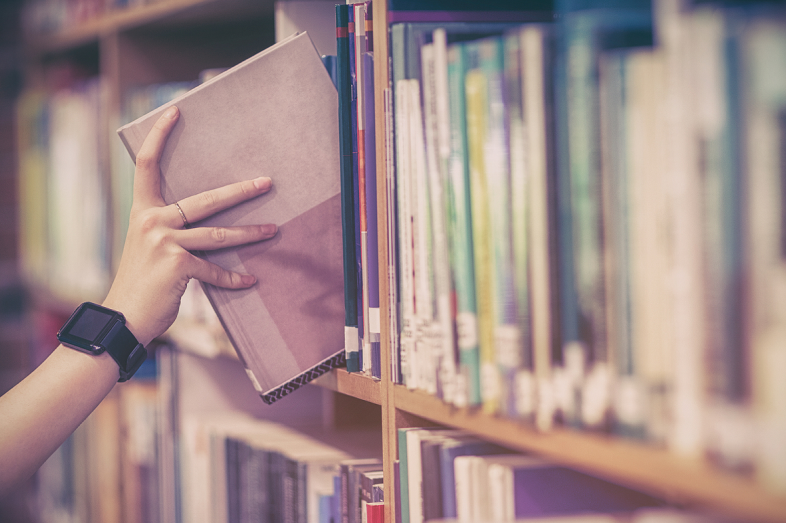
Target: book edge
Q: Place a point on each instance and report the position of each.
(305, 377)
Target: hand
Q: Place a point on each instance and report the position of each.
(156, 263)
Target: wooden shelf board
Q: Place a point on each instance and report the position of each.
(124, 19)
(680, 480)
(351, 384)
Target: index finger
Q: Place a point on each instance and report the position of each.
(147, 178)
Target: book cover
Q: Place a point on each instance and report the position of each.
(287, 329)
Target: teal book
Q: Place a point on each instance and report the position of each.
(460, 229)
(586, 28)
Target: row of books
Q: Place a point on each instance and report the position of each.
(63, 244)
(69, 249)
(588, 224)
(451, 475)
(41, 17)
(354, 79)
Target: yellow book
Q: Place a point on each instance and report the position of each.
(476, 91)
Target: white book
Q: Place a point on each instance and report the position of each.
(405, 232)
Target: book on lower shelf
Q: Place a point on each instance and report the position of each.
(274, 114)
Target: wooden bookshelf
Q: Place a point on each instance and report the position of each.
(163, 13)
(355, 385)
(681, 480)
(684, 481)
(125, 44)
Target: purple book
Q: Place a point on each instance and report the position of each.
(551, 490)
(372, 242)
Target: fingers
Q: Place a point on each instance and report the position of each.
(202, 205)
(212, 238)
(207, 272)
(147, 180)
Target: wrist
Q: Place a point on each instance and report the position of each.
(133, 323)
(97, 330)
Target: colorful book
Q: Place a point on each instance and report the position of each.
(460, 233)
(283, 342)
(375, 513)
(356, 179)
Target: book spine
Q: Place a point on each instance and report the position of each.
(378, 493)
(537, 106)
(405, 232)
(442, 350)
(462, 249)
(520, 393)
(415, 473)
(454, 390)
(372, 238)
(403, 458)
(353, 80)
(507, 330)
(375, 513)
(422, 367)
(360, 147)
(615, 178)
(476, 86)
(393, 267)
(369, 27)
(351, 337)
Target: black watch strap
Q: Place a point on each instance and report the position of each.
(126, 351)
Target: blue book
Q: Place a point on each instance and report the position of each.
(330, 64)
(326, 509)
(337, 500)
(347, 188)
(356, 186)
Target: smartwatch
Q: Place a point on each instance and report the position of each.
(94, 329)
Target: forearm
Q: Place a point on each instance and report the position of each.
(47, 406)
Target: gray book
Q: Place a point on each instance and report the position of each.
(275, 114)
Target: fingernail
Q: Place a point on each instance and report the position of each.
(270, 229)
(263, 182)
(171, 112)
(247, 279)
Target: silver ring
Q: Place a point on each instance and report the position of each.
(182, 215)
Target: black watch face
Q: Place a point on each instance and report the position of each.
(87, 327)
